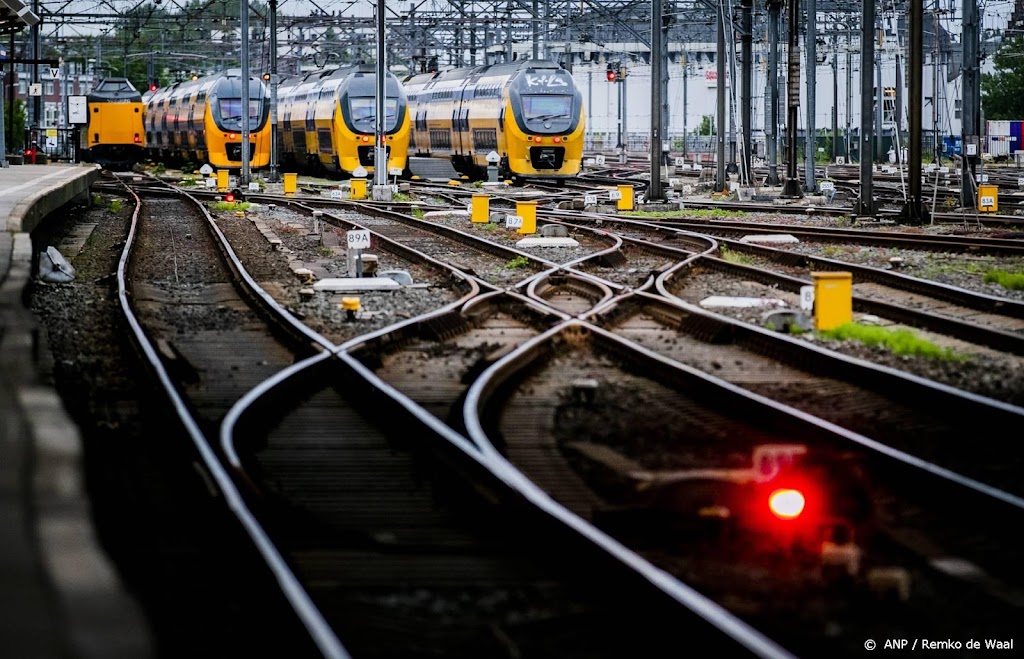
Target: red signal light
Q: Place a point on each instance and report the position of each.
(152, 87)
(786, 503)
(229, 197)
(610, 74)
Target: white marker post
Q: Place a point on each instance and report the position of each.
(358, 239)
(807, 298)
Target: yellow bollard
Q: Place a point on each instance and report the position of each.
(528, 211)
(833, 299)
(626, 200)
(481, 208)
(222, 179)
(290, 181)
(358, 188)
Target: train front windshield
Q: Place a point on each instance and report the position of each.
(546, 107)
(364, 113)
(231, 113)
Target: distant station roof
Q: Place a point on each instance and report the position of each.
(15, 16)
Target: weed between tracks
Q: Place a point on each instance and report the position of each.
(1013, 281)
(733, 257)
(899, 341)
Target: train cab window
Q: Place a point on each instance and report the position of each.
(363, 110)
(545, 107)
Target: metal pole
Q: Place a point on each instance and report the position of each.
(274, 176)
(380, 159)
(835, 105)
(849, 92)
(879, 104)
(686, 75)
(625, 119)
(898, 128)
(655, 191)
(772, 118)
(10, 95)
(618, 125)
(508, 35)
(792, 189)
(536, 30)
(720, 84)
(935, 84)
(913, 211)
(731, 91)
(811, 134)
(3, 133)
(244, 19)
(971, 127)
(746, 91)
(867, 59)
(37, 108)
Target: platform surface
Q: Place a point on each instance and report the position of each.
(59, 594)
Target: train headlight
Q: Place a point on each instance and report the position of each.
(557, 139)
(137, 138)
(231, 136)
(537, 139)
(365, 138)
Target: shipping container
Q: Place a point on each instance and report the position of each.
(1003, 138)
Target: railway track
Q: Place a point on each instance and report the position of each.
(590, 387)
(974, 317)
(563, 409)
(317, 522)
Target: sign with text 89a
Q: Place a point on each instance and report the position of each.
(358, 239)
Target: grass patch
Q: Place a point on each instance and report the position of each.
(116, 205)
(159, 169)
(187, 182)
(231, 206)
(400, 196)
(517, 263)
(898, 341)
(1013, 281)
(684, 214)
(733, 257)
(417, 212)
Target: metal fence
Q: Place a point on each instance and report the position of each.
(53, 144)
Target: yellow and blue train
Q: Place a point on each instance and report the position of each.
(528, 112)
(201, 121)
(327, 120)
(114, 135)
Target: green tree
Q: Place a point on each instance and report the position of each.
(19, 119)
(707, 125)
(1001, 91)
